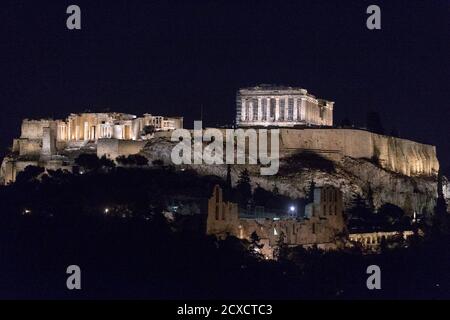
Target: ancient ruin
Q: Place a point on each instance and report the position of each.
(268, 105)
(319, 225)
(54, 144)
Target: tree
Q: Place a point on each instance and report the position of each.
(104, 162)
(281, 250)
(391, 215)
(88, 161)
(261, 196)
(275, 189)
(441, 220)
(133, 160)
(373, 123)
(370, 201)
(122, 160)
(359, 214)
(243, 188)
(148, 130)
(140, 160)
(30, 173)
(228, 179)
(255, 245)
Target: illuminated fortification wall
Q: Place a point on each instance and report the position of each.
(399, 155)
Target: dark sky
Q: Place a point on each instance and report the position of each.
(171, 57)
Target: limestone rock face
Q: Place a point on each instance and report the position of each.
(352, 176)
(398, 155)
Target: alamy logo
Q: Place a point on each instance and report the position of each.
(190, 149)
(74, 280)
(374, 280)
(374, 20)
(74, 20)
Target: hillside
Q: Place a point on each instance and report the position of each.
(352, 176)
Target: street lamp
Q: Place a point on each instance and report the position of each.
(292, 210)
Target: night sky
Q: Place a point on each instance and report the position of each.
(172, 57)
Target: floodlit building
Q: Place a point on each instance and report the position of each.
(54, 143)
(268, 105)
(321, 225)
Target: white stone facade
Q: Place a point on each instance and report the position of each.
(54, 143)
(94, 126)
(267, 105)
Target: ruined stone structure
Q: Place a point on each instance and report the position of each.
(268, 105)
(93, 126)
(321, 225)
(285, 107)
(84, 127)
(327, 203)
(371, 241)
(304, 122)
(54, 144)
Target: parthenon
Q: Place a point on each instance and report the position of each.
(267, 105)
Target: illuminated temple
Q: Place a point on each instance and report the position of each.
(267, 105)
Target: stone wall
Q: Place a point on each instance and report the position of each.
(322, 227)
(28, 147)
(112, 148)
(10, 168)
(399, 155)
(33, 129)
(48, 143)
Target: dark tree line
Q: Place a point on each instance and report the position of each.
(144, 255)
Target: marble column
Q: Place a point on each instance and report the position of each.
(268, 110)
(277, 109)
(294, 112)
(86, 131)
(286, 109)
(251, 113)
(303, 109)
(259, 109)
(243, 110)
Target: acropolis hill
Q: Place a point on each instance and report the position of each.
(305, 123)
(291, 107)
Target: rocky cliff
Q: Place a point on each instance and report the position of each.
(353, 176)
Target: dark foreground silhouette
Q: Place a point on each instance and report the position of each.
(132, 251)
